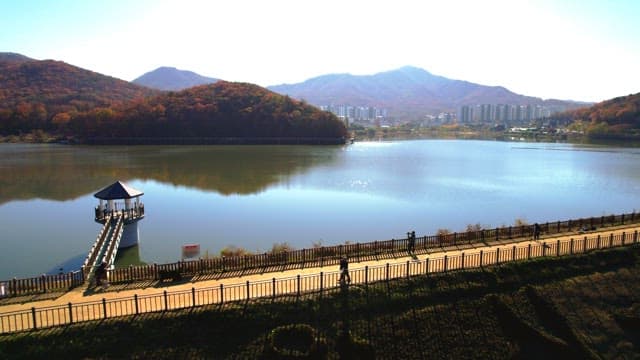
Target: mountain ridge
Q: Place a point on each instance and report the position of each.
(69, 102)
(409, 92)
(169, 78)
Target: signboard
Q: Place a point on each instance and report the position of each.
(190, 251)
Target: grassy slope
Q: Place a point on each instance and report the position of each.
(578, 307)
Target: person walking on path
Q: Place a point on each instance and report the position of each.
(101, 275)
(536, 231)
(411, 242)
(344, 270)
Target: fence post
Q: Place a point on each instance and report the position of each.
(70, 313)
(321, 282)
(497, 256)
(571, 246)
(366, 275)
(166, 301)
(497, 234)
(248, 292)
(529, 252)
(513, 253)
(544, 248)
(43, 281)
(387, 267)
(221, 294)
(481, 252)
(611, 240)
(584, 245)
(558, 248)
(33, 316)
(193, 297)
(462, 265)
(445, 263)
(598, 242)
(635, 236)
(298, 284)
(104, 307)
(623, 236)
(407, 269)
(273, 288)
(135, 300)
(426, 270)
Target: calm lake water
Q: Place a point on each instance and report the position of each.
(255, 196)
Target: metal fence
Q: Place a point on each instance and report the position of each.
(41, 284)
(313, 257)
(296, 286)
(330, 255)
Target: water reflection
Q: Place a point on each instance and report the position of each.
(255, 196)
(129, 256)
(68, 172)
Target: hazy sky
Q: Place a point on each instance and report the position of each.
(572, 49)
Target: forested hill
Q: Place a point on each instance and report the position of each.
(70, 102)
(219, 110)
(38, 94)
(618, 116)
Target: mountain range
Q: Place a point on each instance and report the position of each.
(409, 92)
(46, 94)
(65, 100)
(172, 79)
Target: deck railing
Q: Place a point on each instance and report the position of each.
(320, 283)
(330, 255)
(132, 213)
(41, 284)
(94, 252)
(356, 252)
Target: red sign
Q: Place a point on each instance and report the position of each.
(190, 251)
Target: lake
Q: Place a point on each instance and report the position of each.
(255, 196)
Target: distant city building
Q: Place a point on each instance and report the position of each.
(465, 116)
(357, 113)
(492, 113)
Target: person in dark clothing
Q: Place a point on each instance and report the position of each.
(412, 242)
(344, 270)
(101, 274)
(536, 231)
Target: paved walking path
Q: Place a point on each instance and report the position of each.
(81, 295)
